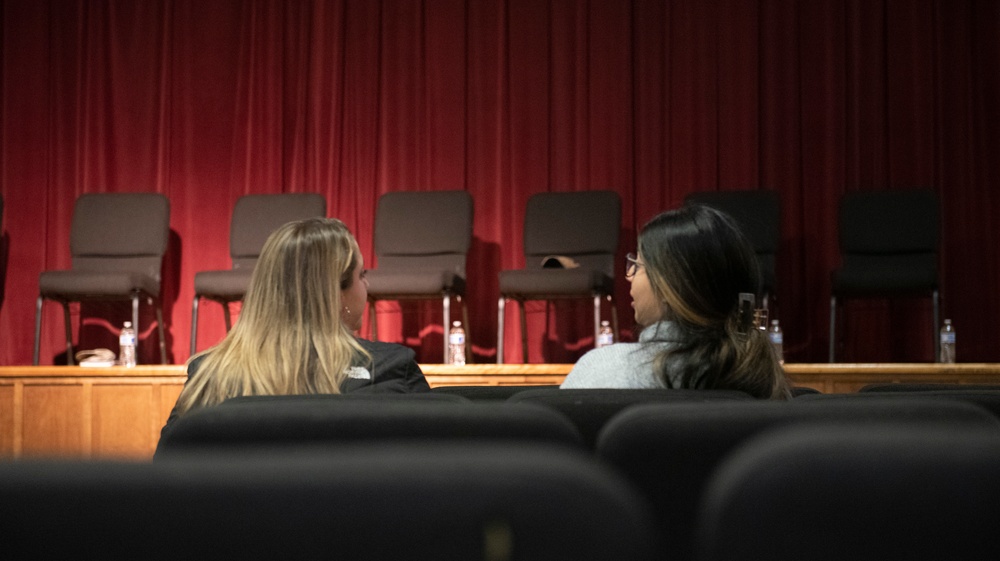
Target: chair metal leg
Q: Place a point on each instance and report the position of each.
(614, 317)
(465, 321)
(70, 360)
(135, 323)
(524, 330)
(597, 317)
(446, 321)
(372, 320)
(162, 332)
(38, 328)
(135, 315)
(833, 326)
(194, 324)
(501, 304)
(226, 316)
(935, 299)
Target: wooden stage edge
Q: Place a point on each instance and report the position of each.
(117, 412)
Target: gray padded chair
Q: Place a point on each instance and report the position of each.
(254, 218)
(117, 242)
(889, 248)
(421, 243)
(583, 226)
(758, 214)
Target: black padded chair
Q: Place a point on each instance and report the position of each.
(487, 393)
(889, 248)
(758, 215)
(922, 387)
(421, 243)
(988, 399)
(254, 218)
(580, 226)
(377, 501)
(590, 409)
(669, 451)
(286, 421)
(117, 242)
(834, 493)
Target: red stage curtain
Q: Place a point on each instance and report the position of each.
(206, 101)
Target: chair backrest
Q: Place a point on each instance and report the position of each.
(590, 409)
(756, 212)
(758, 215)
(988, 399)
(248, 424)
(255, 217)
(379, 502)
(929, 386)
(829, 493)
(889, 222)
(669, 450)
(423, 230)
(583, 225)
(120, 232)
(487, 393)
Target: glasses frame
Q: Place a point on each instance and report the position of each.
(632, 265)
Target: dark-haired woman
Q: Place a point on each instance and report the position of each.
(691, 285)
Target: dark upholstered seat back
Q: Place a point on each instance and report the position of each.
(669, 451)
(832, 493)
(374, 501)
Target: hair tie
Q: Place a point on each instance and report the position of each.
(748, 317)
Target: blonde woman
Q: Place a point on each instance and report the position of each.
(295, 334)
(693, 269)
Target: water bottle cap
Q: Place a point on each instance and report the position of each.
(128, 324)
(774, 322)
(456, 323)
(605, 322)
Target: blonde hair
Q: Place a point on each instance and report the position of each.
(698, 262)
(290, 338)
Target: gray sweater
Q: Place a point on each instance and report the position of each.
(624, 365)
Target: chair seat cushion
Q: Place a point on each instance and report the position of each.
(83, 284)
(541, 283)
(226, 285)
(389, 284)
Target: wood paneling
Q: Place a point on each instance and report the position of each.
(55, 418)
(118, 412)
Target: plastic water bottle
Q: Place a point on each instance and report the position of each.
(456, 344)
(947, 343)
(126, 344)
(777, 340)
(605, 336)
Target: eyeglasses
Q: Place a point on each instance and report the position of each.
(632, 265)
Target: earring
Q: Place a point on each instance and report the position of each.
(347, 310)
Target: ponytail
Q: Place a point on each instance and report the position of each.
(724, 358)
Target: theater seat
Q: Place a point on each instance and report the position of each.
(287, 421)
(835, 493)
(373, 502)
(669, 451)
(590, 409)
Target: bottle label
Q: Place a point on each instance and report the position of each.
(948, 338)
(126, 339)
(456, 338)
(605, 339)
(776, 338)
